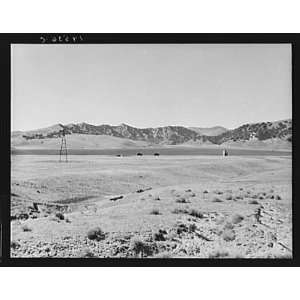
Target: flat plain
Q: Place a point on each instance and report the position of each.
(169, 206)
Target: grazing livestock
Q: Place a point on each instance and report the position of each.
(139, 154)
(156, 154)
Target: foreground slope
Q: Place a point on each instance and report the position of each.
(206, 207)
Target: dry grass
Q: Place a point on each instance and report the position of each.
(228, 235)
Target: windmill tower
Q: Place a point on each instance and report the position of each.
(63, 152)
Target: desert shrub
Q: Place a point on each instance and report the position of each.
(228, 197)
(216, 199)
(253, 201)
(241, 189)
(260, 197)
(193, 195)
(154, 211)
(181, 228)
(25, 228)
(196, 213)
(60, 216)
(205, 192)
(228, 235)
(14, 245)
(159, 236)
(277, 197)
(264, 193)
(192, 227)
(218, 192)
(239, 197)
(139, 247)
(272, 196)
(237, 219)
(181, 200)
(96, 234)
(188, 190)
(156, 198)
(271, 191)
(180, 211)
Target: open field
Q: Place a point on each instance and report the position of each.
(167, 206)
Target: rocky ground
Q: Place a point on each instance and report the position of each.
(199, 207)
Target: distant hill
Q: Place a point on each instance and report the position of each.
(212, 131)
(280, 130)
(84, 135)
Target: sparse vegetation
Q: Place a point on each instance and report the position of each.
(96, 234)
(228, 197)
(181, 200)
(192, 227)
(180, 211)
(140, 248)
(228, 235)
(228, 225)
(159, 236)
(155, 211)
(196, 213)
(88, 254)
(219, 253)
(253, 201)
(26, 228)
(164, 254)
(14, 245)
(216, 199)
(60, 216)
(237, 219)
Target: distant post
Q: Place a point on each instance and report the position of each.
(225, 153)
(63, 148)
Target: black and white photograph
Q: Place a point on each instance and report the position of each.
(169, 151)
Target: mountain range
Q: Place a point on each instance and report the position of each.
(84, 135)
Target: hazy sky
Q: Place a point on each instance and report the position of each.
(150, 85)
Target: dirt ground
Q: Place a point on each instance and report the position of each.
(166, 206)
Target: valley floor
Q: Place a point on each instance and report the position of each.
(167, 206)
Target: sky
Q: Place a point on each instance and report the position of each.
(150, 85)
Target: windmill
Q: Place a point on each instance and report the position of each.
(63, 147)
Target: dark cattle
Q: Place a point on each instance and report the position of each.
(139, 154)
(156, 154)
